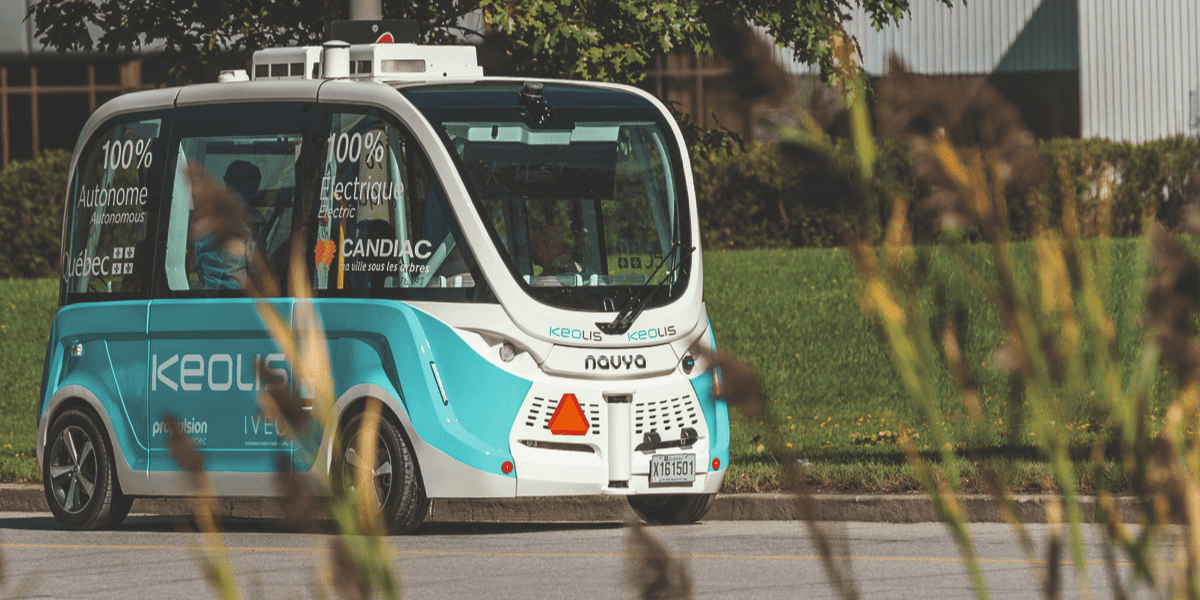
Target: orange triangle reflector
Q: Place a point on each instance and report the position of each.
(568, 418)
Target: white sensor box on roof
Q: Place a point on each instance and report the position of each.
(377, 62)
(297, 62)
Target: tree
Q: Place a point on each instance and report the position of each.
(198, 36)
(611, 40)
(614, 40)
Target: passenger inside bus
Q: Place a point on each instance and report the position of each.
(550, 252)
(220, 265)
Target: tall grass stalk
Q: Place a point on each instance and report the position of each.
(358, 562)
(1060, 343)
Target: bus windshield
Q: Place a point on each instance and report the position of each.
(582, 196)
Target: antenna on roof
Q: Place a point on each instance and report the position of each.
(365, 10)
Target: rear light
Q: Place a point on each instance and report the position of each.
(716, 464)
(506, 467)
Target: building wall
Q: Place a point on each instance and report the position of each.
(1139, 68)
(46, 97)
(979, 37)
(1029, 49)
(16, 34)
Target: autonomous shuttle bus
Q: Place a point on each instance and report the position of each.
(510, 266)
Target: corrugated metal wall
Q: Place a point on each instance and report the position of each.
(976, 38)
(1139, 65)
(1137, 61)
(16, 34)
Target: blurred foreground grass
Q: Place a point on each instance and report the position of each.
(828, 379)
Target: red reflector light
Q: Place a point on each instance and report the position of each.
(716, 464)
(507, 467)
(568, 418)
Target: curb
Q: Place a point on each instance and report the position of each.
(884, 508)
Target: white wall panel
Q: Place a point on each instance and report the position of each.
(15, 32)
(973, 38)
(979, 37)
(1138, 65)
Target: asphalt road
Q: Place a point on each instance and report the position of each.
(150, 558)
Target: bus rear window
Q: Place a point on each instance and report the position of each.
(383, 223)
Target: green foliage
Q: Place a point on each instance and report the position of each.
(701, 140)
(759, 198)
(1148, 182)
(197, 36)
(31, 210)
(752, 197)
(807, 27)
(601, 41)
(595, 40)
(749, 210)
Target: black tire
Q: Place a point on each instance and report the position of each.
(671, 509)
(398, 489)
(77, 457)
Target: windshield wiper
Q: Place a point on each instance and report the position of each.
(634, 306)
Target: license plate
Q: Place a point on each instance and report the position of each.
(672, 468)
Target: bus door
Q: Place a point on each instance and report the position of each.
(207, 339)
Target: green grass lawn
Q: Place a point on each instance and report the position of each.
(26, 309)
(832, 397)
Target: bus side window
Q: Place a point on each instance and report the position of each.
(382, 221)
(197, 260)
(114, 197)
(255, 170)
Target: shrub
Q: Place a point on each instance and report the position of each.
(754, 197)
(31, 208)
(757, 198)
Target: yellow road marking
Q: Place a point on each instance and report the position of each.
(797, 557)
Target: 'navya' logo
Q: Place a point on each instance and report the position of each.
(567, 333)
(650, 334)
(626, 361)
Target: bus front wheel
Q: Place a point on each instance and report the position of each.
(396, 489)
(671, 509)
(79, 474)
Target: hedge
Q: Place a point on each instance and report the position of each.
(31, 209)
(757, 198)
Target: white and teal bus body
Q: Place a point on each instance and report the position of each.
(418, 199)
